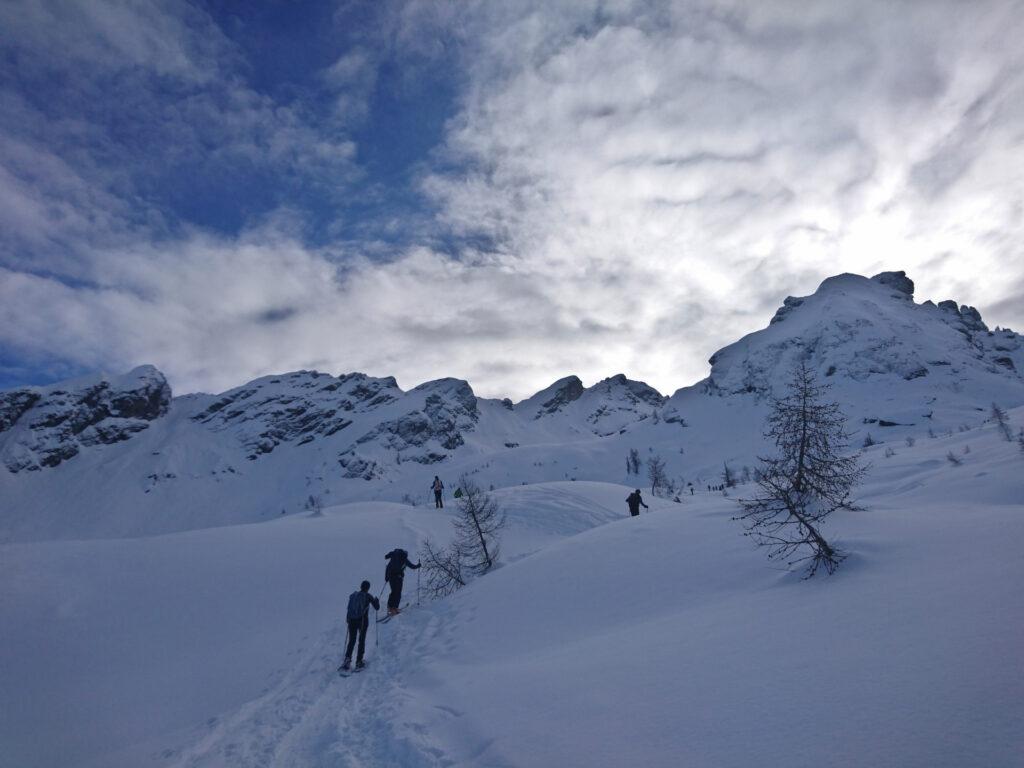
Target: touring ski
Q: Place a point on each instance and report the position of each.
(343, 672)
(390, 616)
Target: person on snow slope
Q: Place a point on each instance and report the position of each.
(397, 559)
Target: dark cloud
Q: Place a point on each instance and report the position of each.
(277, 315)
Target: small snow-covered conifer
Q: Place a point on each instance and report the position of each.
(633, 462)
(1002, 422)
(728, 476)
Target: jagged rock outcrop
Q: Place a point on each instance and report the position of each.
(788, 305)
(554, 398)
(44, 426)
(898, 281)
(295, 408)
(424, 435)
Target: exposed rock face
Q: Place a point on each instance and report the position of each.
(42, 427)
(969, 318)
(898, 281)
(556, 397)
(449, 409)
(296, 407)
(14, 404)
(972, 319)
(629, 391)
(788, 305)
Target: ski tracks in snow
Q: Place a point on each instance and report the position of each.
(313, 717)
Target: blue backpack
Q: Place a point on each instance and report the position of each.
(358, 605)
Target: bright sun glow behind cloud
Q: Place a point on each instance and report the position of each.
(616, 186)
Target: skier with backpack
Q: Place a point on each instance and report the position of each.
(438, 488)
(358, 618)
(397, 559)
(635, 502)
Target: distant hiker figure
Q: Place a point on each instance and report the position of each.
(635, 502)
(438, 487)
(358, 618)
(397, 559)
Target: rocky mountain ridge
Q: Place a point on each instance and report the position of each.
(43, 426)
(153, 462)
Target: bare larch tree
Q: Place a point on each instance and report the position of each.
(1002, 422)
(476, 548)
(656, 473)
(808, 478)
(477, 526)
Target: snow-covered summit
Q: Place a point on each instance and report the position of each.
(880, 349)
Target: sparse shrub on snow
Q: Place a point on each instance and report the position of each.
(868, 441)
(910, 441)
(953, 459)
(889, 452)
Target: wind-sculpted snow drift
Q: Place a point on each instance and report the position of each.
(116, 456)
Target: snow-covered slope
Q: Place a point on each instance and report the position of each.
(115, 456)
(603, 640)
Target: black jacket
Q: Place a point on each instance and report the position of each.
(397, 559)
(635, 502)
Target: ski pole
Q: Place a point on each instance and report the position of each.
(376, 632)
